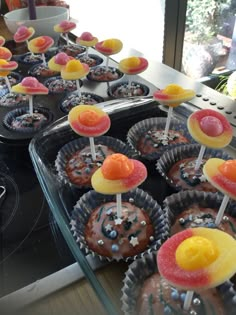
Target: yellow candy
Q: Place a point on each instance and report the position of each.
(132, 62)
(195, 253)
(173, 89)
(109, 43)
(74, 65)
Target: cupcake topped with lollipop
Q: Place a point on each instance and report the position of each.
(87, 40)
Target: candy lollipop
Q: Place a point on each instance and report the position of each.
(23, 34)
(5, 68)
(5, 53)
(65, 27)
(88, 40)
(74, 70)
(132, 66)
(109, 47)
(118, 175)
(172, 95)
(197, 259)
(211, 129)
(40, 45)
(89, 121)
(2, 41)
(222, 175)
(30, 86)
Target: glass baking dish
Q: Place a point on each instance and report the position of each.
(61, 198)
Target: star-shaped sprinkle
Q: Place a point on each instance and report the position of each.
(108, 227)
(72, 222)
(202, 178)
(109, 211)
(198, 221)
(185, 175)
(181, 165)
(118, 221)
(134, 241)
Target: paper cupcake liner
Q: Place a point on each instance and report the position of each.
(97, 60)
(110, 69)
(134, 280)
(7, 120)
(72, 50)
(36, 71)
(29, 59)
(73, 100)
(64, 86)
(170, 157)
(136, 89)
(78, 144)
(176, 203)
(141, 199)
(142, 127)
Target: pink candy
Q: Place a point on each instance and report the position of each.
(22, 30)
(30, 82)
(61, 58)
(211, 126)
(86, 36)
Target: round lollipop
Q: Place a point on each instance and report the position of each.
(222, 175)
(5, 53)
(65, 27)
(118, 175)
(30, 86)
(197, 259)
(40, 45)
(89, 121)
(132, 66)
(5, 68)
(23, 34)
(211, 129)
(74, 70)
(172, 95)
(88, 40)
(2, 41)
(109, 47)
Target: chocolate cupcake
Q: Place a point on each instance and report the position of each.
(72, 50)
(91, 60)
(141, 229)
(19, 120)
(57, 85)
(104, 74)
(190, 208)
(123, 89)
(147, 292)
(41, 70)
(13, 99)
(177, 167)
(13, 79)
(30, 59)
(148, 139)
(74, 160)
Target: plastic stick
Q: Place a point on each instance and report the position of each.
(188, 300)
(107, 61)
(118, 205)
(31, 104)
(92, 147)
(200, 156)
(78, 88)
(221, 210)
(67, 39)
(8, 83)
(86, 52)
(170, 111)
(44, 60)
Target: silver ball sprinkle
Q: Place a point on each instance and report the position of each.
(181, 220)
(143, 223)
(131, 200)
(196, 302)
(192, 312)
(100, 242)
(151, 238)
(225, 218)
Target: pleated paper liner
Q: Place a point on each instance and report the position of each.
(68, 150)
(179, 155)
(152, 148)
(191, 208)
(15, 114)
(111, 236)
(144, 269)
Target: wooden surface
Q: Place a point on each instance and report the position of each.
(3, 29)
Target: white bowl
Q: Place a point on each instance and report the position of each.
(47, 17)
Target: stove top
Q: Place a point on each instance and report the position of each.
(30, 244)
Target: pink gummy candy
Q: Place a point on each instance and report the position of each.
(86, 36)
(30, 82)
(61, 58)
(22, 30)
(211, 126)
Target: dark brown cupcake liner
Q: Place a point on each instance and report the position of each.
(143, 268)
(78, 144)
(119, 90)
(142, 127)
(10, 116)
(90, 200)
(170, 157)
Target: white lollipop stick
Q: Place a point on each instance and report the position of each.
(107, 62)
(86, 52)
(31, 105)
(67, 39)
(78, 88)
(8, 83)
(170, 111)
(221, 210)
(44, 60)
(200, 156)
(92, 147)
(188, 300)
(118, 205)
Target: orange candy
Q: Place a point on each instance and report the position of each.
(89, 117)
(117, 166)
(228, 169)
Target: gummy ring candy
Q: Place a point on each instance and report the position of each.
(30, 86)
(40, 44)
(87, 39)
(109, 46)
(133, 65)
(74, 70)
